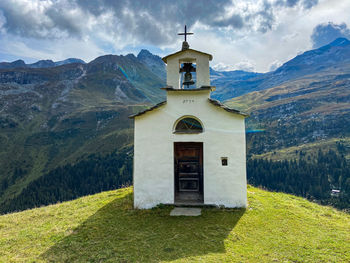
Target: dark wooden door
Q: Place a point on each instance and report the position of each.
(188, 167)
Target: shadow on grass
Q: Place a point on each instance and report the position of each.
(118, 233)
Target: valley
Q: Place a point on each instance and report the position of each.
(59, 119)
(60, 115)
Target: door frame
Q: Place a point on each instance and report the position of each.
(201, 162)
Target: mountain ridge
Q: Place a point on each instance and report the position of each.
(54, 116)
(46, 63)
(53, 119)
(329, 59)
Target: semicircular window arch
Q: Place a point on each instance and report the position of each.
(188, 125)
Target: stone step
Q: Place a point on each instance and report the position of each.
(186, 211)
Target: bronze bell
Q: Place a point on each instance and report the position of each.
(188, 68)
(188, 79)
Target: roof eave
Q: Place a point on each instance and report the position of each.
(228, 109)
(147, 110)
(170, 88)
(165, 59)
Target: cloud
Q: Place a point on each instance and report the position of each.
(245, 65)
(42, 19)
(258, 31)
(223, 67)
(275, 65)
(265, 17)
(242, 65)
(14, 46)
(307, 4)
(136, 21)
(235, 21)
(325, 33)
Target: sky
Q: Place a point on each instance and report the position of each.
(252, 35)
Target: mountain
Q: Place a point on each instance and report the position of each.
(224, 76)
(311, 104)
(39, 64)
(69, 61)
(105, 228)
(15, 64)
(42, 64)
(72, 114)
(132, 81)
(68, 125)
(154, 62)
(330, 57)
(302, 119)
(229, 83)
(300, 112)
(328, 60)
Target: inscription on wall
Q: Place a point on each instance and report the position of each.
(187, 101)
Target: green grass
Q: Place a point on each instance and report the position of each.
(276, 227)
(314, 88)
(310, 150)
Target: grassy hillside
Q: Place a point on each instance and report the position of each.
(312, 111)
(309, 150)
(276, 227)
(36, 152)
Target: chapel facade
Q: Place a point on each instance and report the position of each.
(189, 149)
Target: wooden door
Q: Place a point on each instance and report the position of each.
(188, 167)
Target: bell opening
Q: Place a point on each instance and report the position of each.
(188, 75)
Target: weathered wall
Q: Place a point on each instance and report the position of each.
(223, 136)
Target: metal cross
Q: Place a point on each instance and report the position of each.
(185, 34)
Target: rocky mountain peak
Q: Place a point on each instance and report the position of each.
(69, 61)
(45, 63)
(341, 41)
(319, 59)
(154, 62)
(19, 63)
(42, 64)
(144, 53)
(15, 64)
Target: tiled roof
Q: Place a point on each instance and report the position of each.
(219, 104)
(149, 109)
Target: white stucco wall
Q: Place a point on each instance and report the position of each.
(223, 136)
(202, 68)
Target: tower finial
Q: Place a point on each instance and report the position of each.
(185, 45)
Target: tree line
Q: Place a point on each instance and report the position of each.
(94, 174)
(313, 179)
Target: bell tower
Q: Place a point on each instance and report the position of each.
(182, 65)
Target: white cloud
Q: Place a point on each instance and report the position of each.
(289, 37)
(55, 50)
(326, 32)
(243, 34)
(245, 65)
(223, 67)
(275, 65)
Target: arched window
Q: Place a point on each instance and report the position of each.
(188, 125)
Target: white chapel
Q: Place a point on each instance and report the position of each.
(189, 149)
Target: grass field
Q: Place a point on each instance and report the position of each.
(276, 227)
(309, 150)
